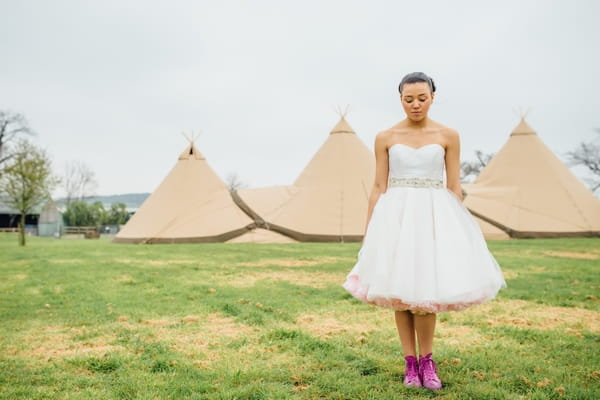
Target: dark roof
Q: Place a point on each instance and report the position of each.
(6, 209)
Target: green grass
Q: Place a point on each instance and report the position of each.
(87, 319)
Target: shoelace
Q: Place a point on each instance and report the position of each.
(411, 369)
(429, 369)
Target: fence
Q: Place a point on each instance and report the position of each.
(79, 230)
(89, 232)
(30, 230)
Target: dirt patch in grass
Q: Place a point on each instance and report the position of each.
(204, 338)
(535, 268)
(124, 279)
(458, 331)
(153, 262)
(60, 342)
(460, 336)
(357, 324)
(210, 323)
(534, 316)
(20, 277)
(196, 336)
(127, 260)
(216, 325)
(64, 261)
(567, 254)
(20, 263)
(510, 274)
(314, 279)
(286, 262)
(191, 319)
(171, 262)
(325, 326)
(158, 322)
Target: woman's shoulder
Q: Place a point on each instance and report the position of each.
(384, 135)
(441, 127)
(445, 131)
(394, 130)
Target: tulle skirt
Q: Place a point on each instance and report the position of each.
(423, 251)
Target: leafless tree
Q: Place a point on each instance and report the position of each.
(588, 156)
(12, 125)
(234, 182)
(470, 169)
(78, 181)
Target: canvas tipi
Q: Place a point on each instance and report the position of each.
(526, 191)
(192, 204)
(328, 201)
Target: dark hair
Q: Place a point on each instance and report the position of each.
(414, 77)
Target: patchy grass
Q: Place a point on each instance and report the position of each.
(84, 319)
(567, 254)
(313, 279)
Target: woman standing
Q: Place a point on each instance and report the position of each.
(422, 252)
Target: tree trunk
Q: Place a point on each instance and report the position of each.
(22, 230)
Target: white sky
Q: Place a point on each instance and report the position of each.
(114, 83)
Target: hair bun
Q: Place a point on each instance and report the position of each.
(414, 77)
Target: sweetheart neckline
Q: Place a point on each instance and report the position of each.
(416, 148)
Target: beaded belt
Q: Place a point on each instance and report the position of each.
(416, 182)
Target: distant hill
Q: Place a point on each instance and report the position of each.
(132, 201)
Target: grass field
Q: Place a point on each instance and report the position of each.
(87, 319)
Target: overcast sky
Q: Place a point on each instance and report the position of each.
(114, 83)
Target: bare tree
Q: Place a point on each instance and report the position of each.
(27, 181)
(234, 182)
(78, 181)
(12, 125)
(470, 169)
(588, 156)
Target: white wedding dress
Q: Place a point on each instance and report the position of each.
(422, 251)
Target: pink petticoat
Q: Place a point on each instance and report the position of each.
(353, 286)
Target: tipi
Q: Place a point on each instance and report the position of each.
(328, 201)
(526, 191)
(192, 204)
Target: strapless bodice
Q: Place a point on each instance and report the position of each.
(422, 162)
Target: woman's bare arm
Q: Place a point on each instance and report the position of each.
(453, 163)
(381, 173)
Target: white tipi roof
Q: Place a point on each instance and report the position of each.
(192, 204)
(329, 199)
(526, 191)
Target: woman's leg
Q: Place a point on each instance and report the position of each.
(425, 327)
(406, 330)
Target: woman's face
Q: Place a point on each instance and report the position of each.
(416, 99)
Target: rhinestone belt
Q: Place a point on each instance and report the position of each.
(416, 182)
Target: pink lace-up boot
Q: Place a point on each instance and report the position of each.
(411, 375)
(428, 373)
